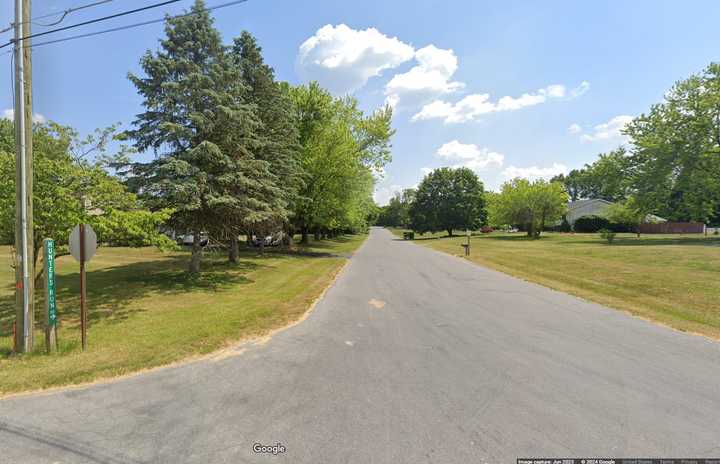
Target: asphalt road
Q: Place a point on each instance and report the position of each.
(413, 356)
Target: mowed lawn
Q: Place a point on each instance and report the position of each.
(672, 279)
(145, 312)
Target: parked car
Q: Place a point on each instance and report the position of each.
(188, 239)
(269, 240)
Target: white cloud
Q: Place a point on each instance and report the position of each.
(608, 130)
(425, 171)
(580, 89)
(574, 128)
(383, 194)
(534, 172)
(472, 106)
(10, 114)
(343, 59)
(430, 78)
(470, 156)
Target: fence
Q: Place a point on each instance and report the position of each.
(672, 228)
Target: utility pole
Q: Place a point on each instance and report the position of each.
(24, 249)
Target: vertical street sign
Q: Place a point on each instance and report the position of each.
(83, 244)
(50, 301)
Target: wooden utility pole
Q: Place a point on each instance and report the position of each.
(24, 249)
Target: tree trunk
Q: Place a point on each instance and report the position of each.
(317, 235)
(542, 227)
(234, 249)
(450, 232)
(287, 240)
(262, 246)
(304, 235)
(194, 267)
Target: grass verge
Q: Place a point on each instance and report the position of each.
(144, 311)
(671, 279)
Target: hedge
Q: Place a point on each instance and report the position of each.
(591, 224)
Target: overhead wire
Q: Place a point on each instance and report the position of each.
(130, 26)
(64, 14)
(105, 31)
(92, 21)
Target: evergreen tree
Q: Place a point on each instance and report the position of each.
(277, 134)
(204, 134)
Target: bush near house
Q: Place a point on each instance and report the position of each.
(607, 234)
(591, 224)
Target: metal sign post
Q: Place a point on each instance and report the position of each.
(83, 244)
(50, 303)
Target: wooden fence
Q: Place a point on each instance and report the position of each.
(672, 228)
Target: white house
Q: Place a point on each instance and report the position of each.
(580, 208)
(596, 207)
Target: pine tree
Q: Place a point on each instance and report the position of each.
(203, 132)
(278, 134)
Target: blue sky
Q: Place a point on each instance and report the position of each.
(506, 88)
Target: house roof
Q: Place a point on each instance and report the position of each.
(578, 203)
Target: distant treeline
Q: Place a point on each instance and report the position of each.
(669, 168)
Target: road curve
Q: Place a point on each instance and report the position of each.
(413, 356)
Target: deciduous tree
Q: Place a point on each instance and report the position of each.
(676, 156)
(531, 205)
(448, 199)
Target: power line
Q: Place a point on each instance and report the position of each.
(92, 21)
(64, 14)
(130, 26)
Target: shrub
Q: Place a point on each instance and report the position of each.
(565, 226)
(591, 224)
(607, 234)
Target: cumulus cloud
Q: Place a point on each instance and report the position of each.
(430, 78)
(383, 194)
(470, 155)
(472, 106)
(343, 59)
(10, 114)
(534, 172)
(608, 130)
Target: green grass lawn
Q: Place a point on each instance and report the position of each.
(672, 279)
(145, 312)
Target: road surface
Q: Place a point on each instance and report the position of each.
(412, 356)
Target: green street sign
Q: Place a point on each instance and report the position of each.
(50, 303)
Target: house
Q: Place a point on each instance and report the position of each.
(579, 208)
(596, 207)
